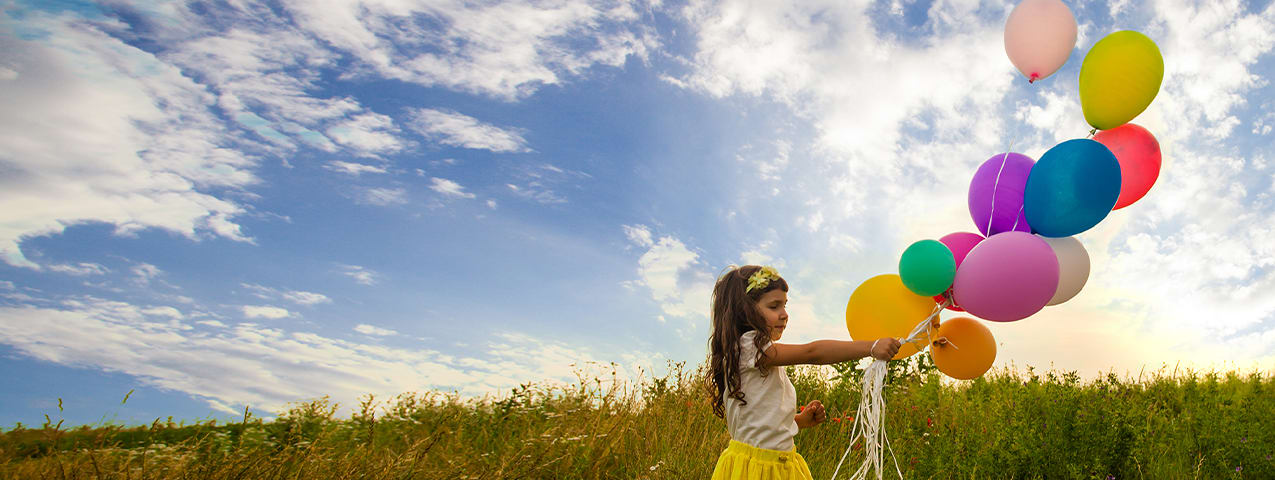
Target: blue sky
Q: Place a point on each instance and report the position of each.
(227, 204)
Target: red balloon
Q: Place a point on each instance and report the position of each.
(1139, 155)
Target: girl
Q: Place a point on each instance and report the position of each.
(756, 399)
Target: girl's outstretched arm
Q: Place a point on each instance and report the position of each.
(824, 352)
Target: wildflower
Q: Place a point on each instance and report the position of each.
(1238, 468)
(929, 422)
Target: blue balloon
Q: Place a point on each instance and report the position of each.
(1071, 188)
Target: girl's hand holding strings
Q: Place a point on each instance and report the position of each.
(885, 348)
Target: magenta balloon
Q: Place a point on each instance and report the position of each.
(1007, 277)
(960, 243)
(996, 194)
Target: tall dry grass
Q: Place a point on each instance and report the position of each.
(1008, 424)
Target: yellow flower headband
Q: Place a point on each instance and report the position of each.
(761, 278)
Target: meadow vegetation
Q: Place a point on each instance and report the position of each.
(1017, 424)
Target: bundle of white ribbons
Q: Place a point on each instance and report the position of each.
(869, 418)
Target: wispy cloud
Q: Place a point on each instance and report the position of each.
(667, 270)
(250, 364)
(265, 311)
(295, 296)
(505, 50)
(79, 269)
(351, 168)
(449, 188)
(459, 130)
(367, 134)
(99, 131)
(383, 196)
(373, 330)
(361, 275)
(144, 273)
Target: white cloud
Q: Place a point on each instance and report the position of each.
(373, 330)
(667, 270)
(144, 273)
(295, 296)
(536, 192)
(265, 311)
(306, 298)
(383, 196)
(361, 275)
(249, 364)
(99, 131)
(355, 169)
(506, 50)
(459, 130)
(639, 234)
(79, 269)
(367, 134)
(169, 312)
(449, 188)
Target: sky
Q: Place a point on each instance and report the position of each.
(220, 205)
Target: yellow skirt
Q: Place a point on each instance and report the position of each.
(741, 461)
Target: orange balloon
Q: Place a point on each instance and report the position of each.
(883, 307)
(963, 348)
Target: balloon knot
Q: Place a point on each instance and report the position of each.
(1034, 77)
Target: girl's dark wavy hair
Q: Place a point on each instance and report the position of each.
(735, 313)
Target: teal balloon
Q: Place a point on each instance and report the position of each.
(927, 268)
(1071, 188)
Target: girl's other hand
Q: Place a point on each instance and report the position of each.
(812, 414)
(885, 348)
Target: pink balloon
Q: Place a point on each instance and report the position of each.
(960, 243)
(1007, 277)
(1039, 36)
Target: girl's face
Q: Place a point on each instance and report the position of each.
(773, 306)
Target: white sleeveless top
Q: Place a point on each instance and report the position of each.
(767, 420)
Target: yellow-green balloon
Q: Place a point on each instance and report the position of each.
(1119, 78)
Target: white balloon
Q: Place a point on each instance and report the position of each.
(1073, 267)
(1039, 36)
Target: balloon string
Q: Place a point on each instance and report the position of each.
(944, 341)
(991, 212)
(871, 412)
(1016, 217)
(996, 186)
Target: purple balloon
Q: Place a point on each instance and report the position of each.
(1007, 277)
(996, 194)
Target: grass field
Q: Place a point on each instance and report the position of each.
(1007, 424)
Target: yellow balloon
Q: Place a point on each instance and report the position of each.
(883, 307)
(1119, 78)
(963, 348)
